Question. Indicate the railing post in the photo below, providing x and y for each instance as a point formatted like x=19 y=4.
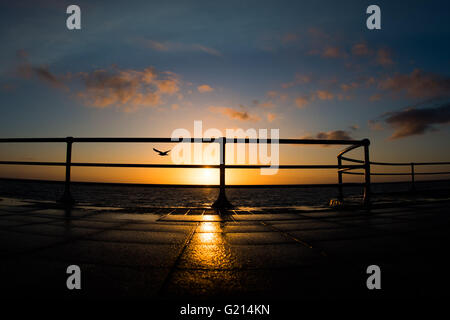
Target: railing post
x=413 y=184
x=341 y=192
x=366 y=173
x=67 y=196
x=222 y=201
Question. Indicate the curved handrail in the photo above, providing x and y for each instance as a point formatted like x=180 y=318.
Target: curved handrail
x=346 y=170
x=366 y=164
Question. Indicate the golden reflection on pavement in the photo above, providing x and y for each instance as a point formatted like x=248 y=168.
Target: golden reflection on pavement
x=208 y=249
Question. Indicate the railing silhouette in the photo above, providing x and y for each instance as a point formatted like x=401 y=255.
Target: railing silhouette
x=221 y=201
x=411 y=165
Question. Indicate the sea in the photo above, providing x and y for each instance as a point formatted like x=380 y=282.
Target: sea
x=130 y=196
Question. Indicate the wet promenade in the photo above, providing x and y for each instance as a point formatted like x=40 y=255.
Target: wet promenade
x=168 y=253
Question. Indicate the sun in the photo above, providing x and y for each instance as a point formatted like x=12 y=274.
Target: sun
x=207 y=176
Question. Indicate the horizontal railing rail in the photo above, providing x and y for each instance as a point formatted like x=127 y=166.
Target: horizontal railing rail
x=411 y=165
x=188 y=140
x=221 y=201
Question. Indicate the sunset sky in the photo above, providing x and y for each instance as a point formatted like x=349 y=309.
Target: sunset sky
x=145 y=68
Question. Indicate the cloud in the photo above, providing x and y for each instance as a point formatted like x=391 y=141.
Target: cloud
x=208 y=50
x=375 y=125
x=413 y=121
x=178 y=46
x=266 y=104
x=271 y=117
x=417 y=84
x=324 y=95
x=272 y=94
x=317 y=33
x=331 y=135
x=127 y=89
x=26 y=70
x=360 y=49
x=302 y=101
x=204 y=88
x=350 y=86
x=375 y=97
x=276 y=95
x=330 y=52
x=298 y=79
x=155 y=45
x=234 y=114
x=169 y=86
x=384 y=57
x=289 y=38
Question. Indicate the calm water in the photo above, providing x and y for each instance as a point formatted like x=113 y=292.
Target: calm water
x=143 y=196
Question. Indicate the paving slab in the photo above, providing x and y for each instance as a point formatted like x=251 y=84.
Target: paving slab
x=266 y=252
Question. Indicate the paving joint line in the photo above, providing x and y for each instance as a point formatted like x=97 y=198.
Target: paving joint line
x=172 y=270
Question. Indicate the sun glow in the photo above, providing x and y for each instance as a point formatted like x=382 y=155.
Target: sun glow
x=207 y=176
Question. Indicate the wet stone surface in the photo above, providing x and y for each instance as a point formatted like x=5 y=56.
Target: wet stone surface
x=169 y=253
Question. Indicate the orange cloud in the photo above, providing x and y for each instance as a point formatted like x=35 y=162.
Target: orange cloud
x=271 y=117
x=350 y=86
x=234 y=114
x=204 y=88
x=360 y=49
x=331 y=52
x=299 y=79
x=267 y=104
x=276 y=95
x=302 y=101
x=169 y=86
x=384 y=57
x=128 y=89
x=324 y=95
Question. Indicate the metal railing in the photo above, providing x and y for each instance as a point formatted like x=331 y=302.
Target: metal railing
x=221 y=201
x=412 y=173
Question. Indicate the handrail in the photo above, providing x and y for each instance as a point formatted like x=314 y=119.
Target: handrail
x=365 y=165
x=189 y=166
x=351 y=160
x=221 y=201
x=412 y=165
x=409 y=163
x=188 y=140
x=364 y=142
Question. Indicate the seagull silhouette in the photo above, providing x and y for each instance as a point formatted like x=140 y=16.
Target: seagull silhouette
x=161 y=153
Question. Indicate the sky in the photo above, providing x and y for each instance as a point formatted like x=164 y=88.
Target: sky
x=311 y=69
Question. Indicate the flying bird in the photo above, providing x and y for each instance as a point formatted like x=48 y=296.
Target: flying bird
x=161 y=153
